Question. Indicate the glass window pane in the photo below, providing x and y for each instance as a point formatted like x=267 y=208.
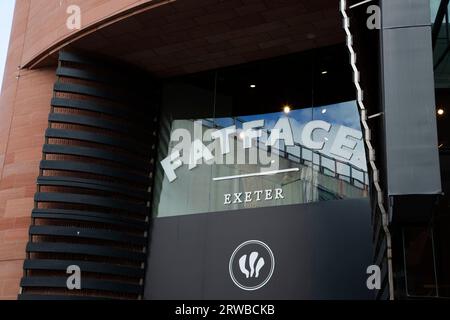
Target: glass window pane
x=250 y=136
x=419 y=261
x=184 y=100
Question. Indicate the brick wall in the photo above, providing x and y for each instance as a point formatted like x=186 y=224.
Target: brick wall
x=24 y=108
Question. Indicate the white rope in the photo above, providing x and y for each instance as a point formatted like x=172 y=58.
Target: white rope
x=367 y=139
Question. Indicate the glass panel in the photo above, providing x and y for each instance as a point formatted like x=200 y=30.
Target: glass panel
x=442 y=84
x=256 y=95
x=249 y=136
x=184 y=100
x=442 y=239
x=343 y=156
x=419 y=261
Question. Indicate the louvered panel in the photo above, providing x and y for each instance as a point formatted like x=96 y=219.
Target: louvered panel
x=92 y=205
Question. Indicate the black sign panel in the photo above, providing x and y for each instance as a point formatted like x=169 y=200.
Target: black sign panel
x=308 y=251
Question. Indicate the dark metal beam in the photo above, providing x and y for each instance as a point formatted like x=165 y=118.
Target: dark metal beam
x=439 y=19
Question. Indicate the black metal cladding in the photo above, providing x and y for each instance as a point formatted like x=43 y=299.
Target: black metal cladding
x=60 y=282
x=123 y=143
x=106 y=202
x=95 y=154
x=84 y=167
x=92 y=205
x=103 y=268
x=95 y=217
x=85 y=250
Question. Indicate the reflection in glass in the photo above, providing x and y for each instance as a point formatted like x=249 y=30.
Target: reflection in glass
x=226 y=145
x=419 y=261
x=325 y=160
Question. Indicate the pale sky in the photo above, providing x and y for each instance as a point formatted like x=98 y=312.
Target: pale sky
x=6 y=16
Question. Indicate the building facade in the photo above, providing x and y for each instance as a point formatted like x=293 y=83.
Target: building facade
x=222 y=149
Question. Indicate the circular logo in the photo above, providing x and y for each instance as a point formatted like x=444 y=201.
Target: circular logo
x=251 y=265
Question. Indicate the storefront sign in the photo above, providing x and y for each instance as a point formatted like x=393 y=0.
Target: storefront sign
x=193 y=152
x=249 y=196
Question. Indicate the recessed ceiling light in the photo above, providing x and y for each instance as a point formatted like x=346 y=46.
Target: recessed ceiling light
x=440 y=112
